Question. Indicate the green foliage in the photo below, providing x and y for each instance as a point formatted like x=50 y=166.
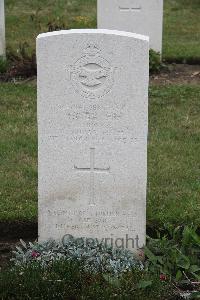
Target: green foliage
x=3 y=65
x=67 y=280
x=176 y=255
x=195 y=295
x=155 y=63
x=23 y=61
x=145 y=284
x=56 y=24
x=94 y=256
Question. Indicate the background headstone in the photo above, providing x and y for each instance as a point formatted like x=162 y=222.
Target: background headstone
x=92 y=130
x=2 y=29
x=139 y=16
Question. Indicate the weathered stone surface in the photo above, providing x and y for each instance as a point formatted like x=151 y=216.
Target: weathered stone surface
x=139 y=16
x=92 y=131
x=2 y=29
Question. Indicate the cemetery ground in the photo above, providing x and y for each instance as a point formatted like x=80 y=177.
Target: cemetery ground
x=181 y=24
x=173 y=207
x=173 y=189
x=173 y=156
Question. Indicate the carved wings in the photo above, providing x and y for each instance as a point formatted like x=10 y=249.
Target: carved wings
x=90 y=77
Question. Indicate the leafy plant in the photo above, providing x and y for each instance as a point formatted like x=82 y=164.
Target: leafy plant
x=94 y=257
x=3 y=65
x=176 y=255
x=81 y=271
x=23 y=62
x=57 y=24
x=155 y=62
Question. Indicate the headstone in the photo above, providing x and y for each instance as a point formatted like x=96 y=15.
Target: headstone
x=92 y=134
x=139 y=16
x=2 y=29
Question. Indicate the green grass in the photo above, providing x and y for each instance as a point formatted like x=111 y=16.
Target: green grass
x=173 y=159
x=181 y=40
x=66 y=280
x=18 y=152
x=25 y=19
x=34 y=17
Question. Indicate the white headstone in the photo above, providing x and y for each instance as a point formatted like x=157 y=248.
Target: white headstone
x=139 y=16
x=2 y=29
x=92 y=129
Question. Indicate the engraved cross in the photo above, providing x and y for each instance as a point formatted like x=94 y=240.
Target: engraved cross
x=92 y=170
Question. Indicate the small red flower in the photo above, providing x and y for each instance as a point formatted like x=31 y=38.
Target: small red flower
x=141 y=254
x=163 y=277
x=35 y=254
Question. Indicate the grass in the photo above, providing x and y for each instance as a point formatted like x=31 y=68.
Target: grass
x=33 y=17
x=182 y=31
x=18 y=152
x=25 y=19
x=173 y=159
x=66 y=280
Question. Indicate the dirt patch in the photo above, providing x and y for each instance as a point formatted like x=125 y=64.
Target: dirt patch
x=15 y=230
x=6 y=249
x=11 y=233
x=177 y=74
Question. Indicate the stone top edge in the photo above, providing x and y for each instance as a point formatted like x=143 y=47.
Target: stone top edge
x=87 y=31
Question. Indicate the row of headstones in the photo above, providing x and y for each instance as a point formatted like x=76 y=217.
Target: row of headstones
x=138 y=16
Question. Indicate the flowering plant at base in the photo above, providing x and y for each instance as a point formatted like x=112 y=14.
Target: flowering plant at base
x=94 y=257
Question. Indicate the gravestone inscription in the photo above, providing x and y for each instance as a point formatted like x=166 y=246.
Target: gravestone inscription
x=92 y=134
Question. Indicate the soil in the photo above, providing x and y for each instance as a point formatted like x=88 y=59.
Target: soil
x=177 y=74
x=11 y=232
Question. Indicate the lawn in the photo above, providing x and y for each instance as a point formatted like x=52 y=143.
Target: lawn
x=18 y=152
x=181 y=40
x=173 y=159
x=25 y=19
x=66 y=280
x=173 y=155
